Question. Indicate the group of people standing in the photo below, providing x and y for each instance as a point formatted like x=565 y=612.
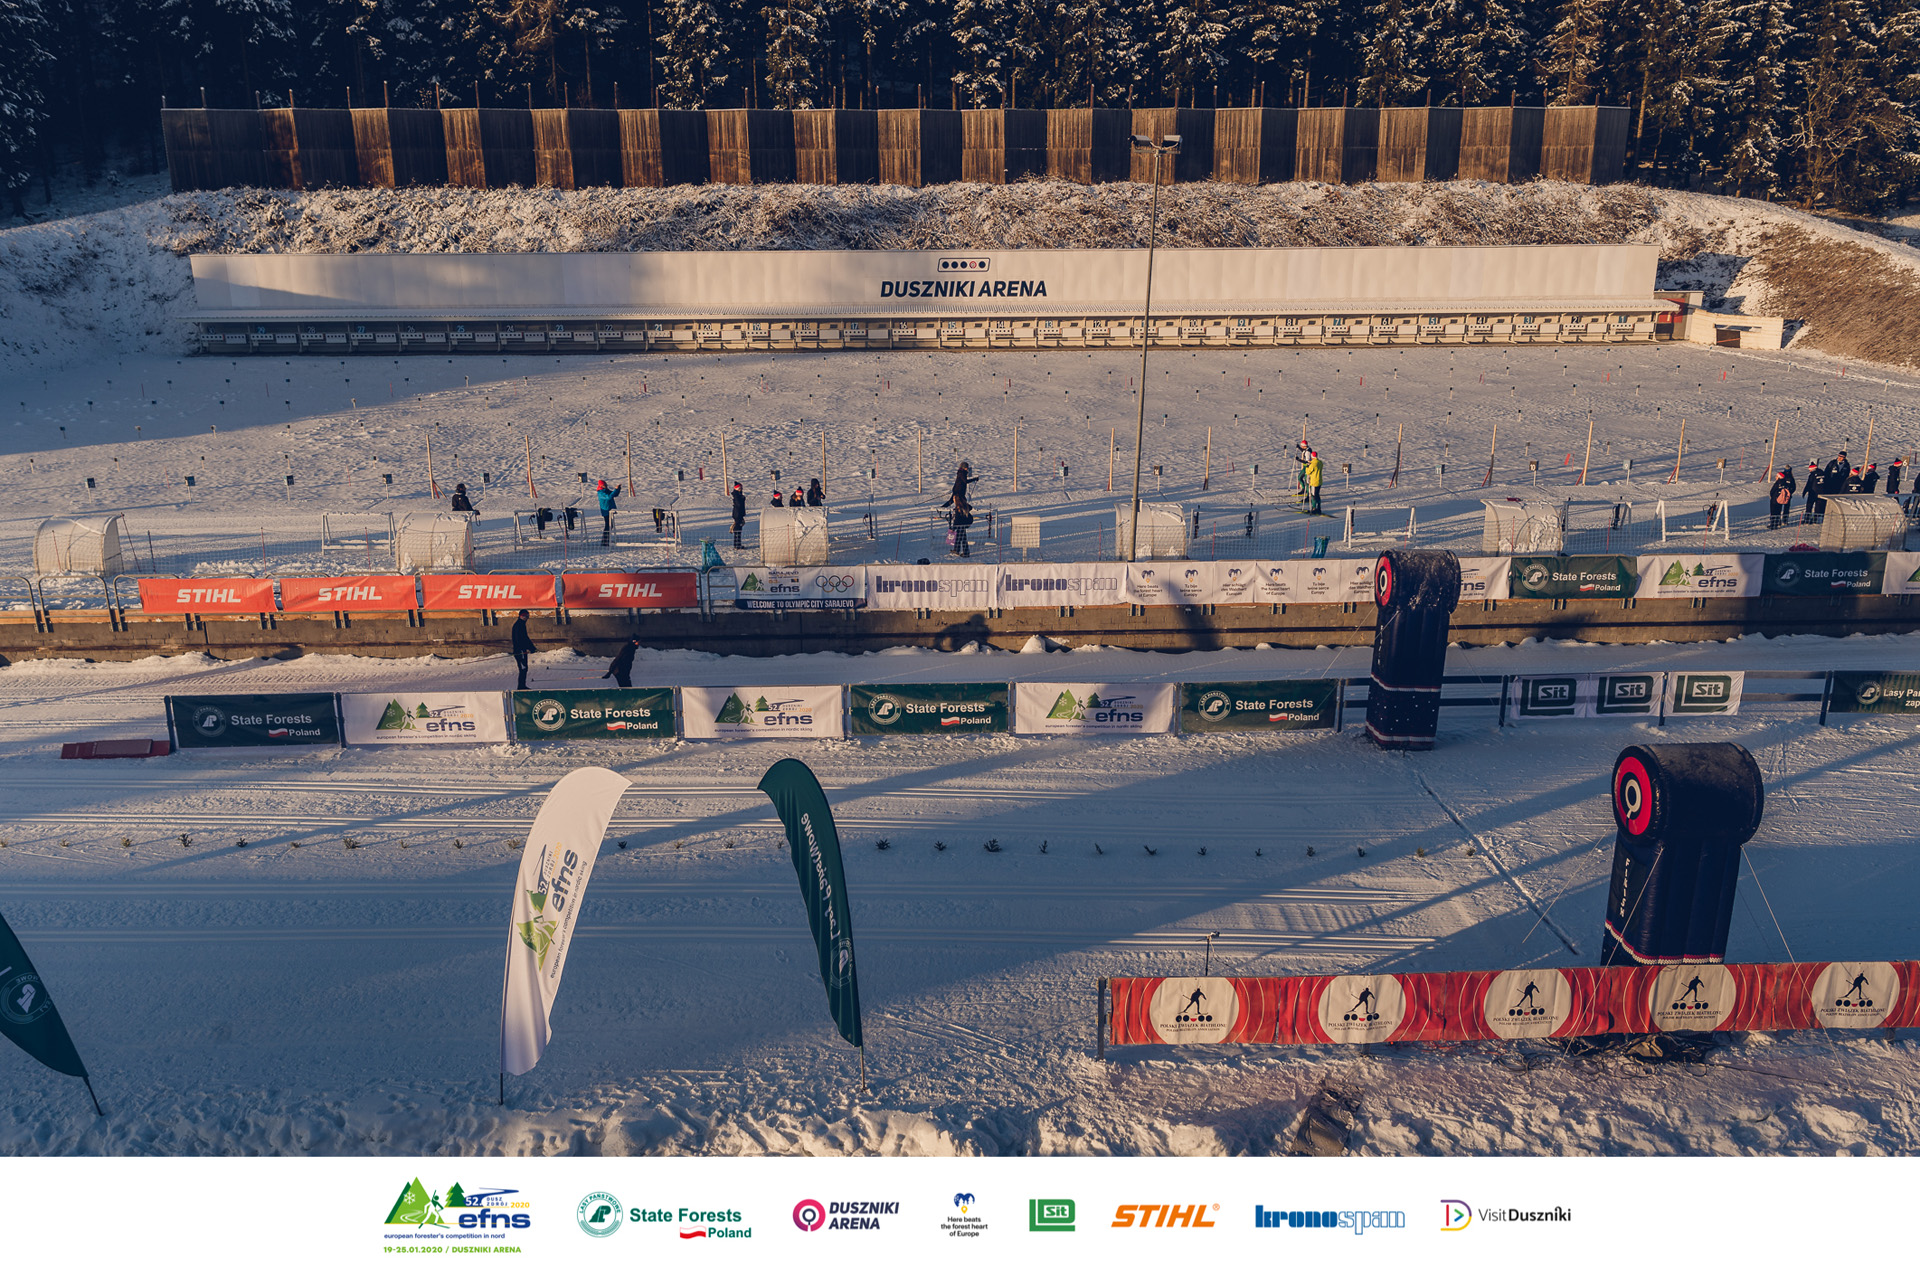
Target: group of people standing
x=1838 y=476
x=1311 y=473
x=813 y=495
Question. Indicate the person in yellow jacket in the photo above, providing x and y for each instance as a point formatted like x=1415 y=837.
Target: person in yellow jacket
x=1313 y=474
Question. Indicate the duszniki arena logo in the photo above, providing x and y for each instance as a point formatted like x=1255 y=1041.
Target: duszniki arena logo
x=599 y=1214
x=809 y=1214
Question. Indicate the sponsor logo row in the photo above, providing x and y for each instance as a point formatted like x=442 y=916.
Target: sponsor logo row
x=489 y=1219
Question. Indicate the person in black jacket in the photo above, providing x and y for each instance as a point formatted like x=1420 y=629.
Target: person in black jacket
x=621 y=671
x=961 y=478
x=739 y=512
x=1834 y=477
x=1870 y=481
x=1780 y=499
x=961 y=519
x=1811 y=491
x=460 y=499
x=779 y=498
x=522 y=647
x=816 y=496
x=1893 y=476
x=1853 y=482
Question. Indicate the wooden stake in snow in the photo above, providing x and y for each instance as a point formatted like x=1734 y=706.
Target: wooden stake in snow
x=1110 y=431
x=1771 y=447
x=531 y=491
x=1866 y=458
x=1679 y=452
x=1401 y=438
x=1589 y=458
x=433 y=485
x=823 y=458
x=918 y=485
x=629 y=465
x=1493 y=446
x=725 y=485
x=1206 y=473
x=1016 y=457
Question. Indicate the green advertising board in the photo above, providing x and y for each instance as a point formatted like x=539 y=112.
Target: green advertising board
x=1572 y=576
x=884 y=709
x=1848 y=572
x=1268 y=705
x=1875 y=692
x=279 y=719
x=615 y=714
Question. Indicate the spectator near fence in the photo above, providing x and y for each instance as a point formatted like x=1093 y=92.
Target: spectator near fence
x=1780 y=499
x=609 y=502
x=1893 y=476
x=621 y=671
x=460 y=499
x=1811 y=506
x=522 y=647
x=739 y=512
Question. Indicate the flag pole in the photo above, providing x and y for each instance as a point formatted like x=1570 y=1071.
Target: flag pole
x=863 y=1069
x=90 y=1096
x=503 y=1087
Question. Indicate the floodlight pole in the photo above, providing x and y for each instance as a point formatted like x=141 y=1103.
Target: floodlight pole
x=1166 y=146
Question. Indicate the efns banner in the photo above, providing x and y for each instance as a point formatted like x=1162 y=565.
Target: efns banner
x=423 y=718
x=732 y=713
x=1078 y=709
x=561 y=849
x=803 y=810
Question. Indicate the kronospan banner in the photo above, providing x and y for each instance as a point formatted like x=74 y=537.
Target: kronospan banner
x=501 y=593
x=1271 y=705
x=928 y=709
x=1852 y=572
x=617 y=714
x=423 y=718
x=830 y=586
x=1076 y=709
x=939 y=587
x=1875 y=692
x=281 y=719
x=759 y=713
x=1571 y=576
x=348 y=594
x=618 y=591
x=1095 y=585
x=206 y=594
x=1698 y=576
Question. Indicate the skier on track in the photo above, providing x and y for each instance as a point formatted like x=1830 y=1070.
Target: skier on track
x=1526 y=995
x=1693 y=988
x=621 y=671
x=522 y=647
x=1858 y=990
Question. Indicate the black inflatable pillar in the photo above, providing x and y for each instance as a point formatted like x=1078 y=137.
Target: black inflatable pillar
x=1416 y=592
x=1684 y=812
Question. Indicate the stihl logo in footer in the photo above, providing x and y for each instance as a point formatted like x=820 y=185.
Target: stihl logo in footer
x=1164 y=1216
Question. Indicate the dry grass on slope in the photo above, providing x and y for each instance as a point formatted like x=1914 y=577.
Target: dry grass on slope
x=1856 y=303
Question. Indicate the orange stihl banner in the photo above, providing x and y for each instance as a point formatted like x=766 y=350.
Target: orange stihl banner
x=347 y=594
x=1565 y=1002
x=630 y=590
x=206 y=594
x=505 y=593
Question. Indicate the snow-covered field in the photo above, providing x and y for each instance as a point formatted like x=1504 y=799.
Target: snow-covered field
x=262 y=986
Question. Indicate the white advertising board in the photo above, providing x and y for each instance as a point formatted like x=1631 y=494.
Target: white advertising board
x=422 y=718
x=759 y=713
x=1078 y=709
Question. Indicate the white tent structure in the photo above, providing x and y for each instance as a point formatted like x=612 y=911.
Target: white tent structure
x=1863 y=521
x=1523 y=528
x=82 y=546
x=433 y=542
x=1163 y=530
x=793 y=536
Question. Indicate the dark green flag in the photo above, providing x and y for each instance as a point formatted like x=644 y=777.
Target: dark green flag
x=27 y=1014
x=797 y=796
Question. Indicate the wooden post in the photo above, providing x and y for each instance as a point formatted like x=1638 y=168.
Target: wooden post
x=1867 y=457
x=531 y=490
x=1589 y=457
x=1771 y=447
x=629 y=465
x=823 y=459
x=433 y=485
x=726 y=488
x=1493 y=447
x=1110 y=431
x=1679 y=451
x=1016 y=457
x=1401 y=438
x=1206 y=474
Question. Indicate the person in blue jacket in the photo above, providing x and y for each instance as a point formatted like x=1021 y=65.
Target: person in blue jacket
x=608 y=504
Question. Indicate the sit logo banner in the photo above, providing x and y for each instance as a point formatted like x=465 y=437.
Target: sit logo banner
x=1050 y=1215
x=423 y=718
x=457 y=1219
x=1273 y=705
x=616 y=714
x=1584 y=696
x=936 y=709
x=1874 y=692
x=1716 y=692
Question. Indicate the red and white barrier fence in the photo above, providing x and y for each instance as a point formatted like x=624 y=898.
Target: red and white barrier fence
x=1569 y=1002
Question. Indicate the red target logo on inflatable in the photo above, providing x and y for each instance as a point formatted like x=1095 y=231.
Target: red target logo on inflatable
x=1383 y=582
x=1632 y=796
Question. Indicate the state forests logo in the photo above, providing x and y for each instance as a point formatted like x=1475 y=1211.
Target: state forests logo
x=599 y=1214
x=208 y=721
x=1535 y=576
x=1215 y=705
x=549 y=715
x=885 y=711
x=23 y=1000
x=1868 y=692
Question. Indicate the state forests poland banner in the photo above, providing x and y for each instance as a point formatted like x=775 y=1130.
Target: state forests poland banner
x=1073 y=709
x=348 y=594
x=207 y=595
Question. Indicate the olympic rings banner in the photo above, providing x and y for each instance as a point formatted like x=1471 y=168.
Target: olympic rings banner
x=829 y=586
x=1569 y=1002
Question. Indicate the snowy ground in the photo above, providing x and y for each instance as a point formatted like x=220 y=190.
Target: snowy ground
x=296 y=994
x=140 y=424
